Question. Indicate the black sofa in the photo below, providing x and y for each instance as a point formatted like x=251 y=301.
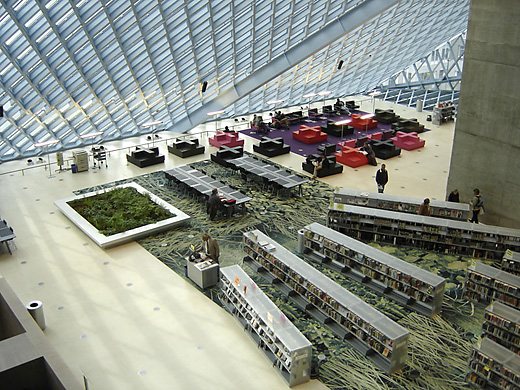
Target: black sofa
x=144 y=157
x=327 y=149
x=271 y=147
x=335 y=130
x=407 y=126
x=327 y=110
x=385 y=149
x=186 y=147
x=226 y=153
x=351 y=105
x=386 y=116
x=333 y=169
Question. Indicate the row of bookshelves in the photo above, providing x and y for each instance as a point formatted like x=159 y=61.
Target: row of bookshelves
x=493 y=366
x=447 y=236
x=375 y=331
x=415 y=237
x=439 y=208
x=486 y=283
x=502 y=325
x=364 y=263
x=265 y=333
x=511 y=262
x=282 y=343
x=328 y=305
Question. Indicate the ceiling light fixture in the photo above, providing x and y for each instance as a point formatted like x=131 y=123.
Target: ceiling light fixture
x=91 y=135
x=150 y=124
x=212 y=113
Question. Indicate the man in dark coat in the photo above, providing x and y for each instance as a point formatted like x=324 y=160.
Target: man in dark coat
x=381 y=178
x=214 y=204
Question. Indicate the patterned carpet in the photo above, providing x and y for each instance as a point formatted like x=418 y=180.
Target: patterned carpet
x=438 y=348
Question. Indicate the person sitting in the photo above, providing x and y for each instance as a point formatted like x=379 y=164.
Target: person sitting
x=214 y=204
x=321 y=163
x=259 y=124
x=280 y=116
x=209 y=248
x=279 y=120
x=340 y=108
x=369 y=152
x=424 y=208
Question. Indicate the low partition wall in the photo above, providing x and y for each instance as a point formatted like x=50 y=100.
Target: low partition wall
x=130 y=235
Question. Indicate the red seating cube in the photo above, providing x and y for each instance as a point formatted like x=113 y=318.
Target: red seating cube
x=351 y=143
x=407 y=141
x=377 y=136
x=228 y=139
x=351 y=157
x=360 y=123
x=309 y=134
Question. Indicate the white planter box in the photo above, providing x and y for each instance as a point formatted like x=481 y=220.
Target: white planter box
x=130 y=235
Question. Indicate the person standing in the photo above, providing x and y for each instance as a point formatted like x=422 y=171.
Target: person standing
x=476 y=204
x=424 y=208
x=381 y=178
x=209 y=247
x=454 y=196
x=371 y=156
x=214 y=204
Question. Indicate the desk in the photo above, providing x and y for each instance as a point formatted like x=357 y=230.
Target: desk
x=204 y=274
x=6 y=235
x=204 y=185
x=273 y=174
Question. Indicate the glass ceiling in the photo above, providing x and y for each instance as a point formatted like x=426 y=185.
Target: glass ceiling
x=72 y=69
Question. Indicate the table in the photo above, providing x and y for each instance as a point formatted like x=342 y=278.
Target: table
x=6 y=235
x=204 y=184
x=204 y=274
x=271 y=173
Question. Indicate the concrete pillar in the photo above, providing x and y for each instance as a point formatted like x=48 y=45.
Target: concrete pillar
x=486 y=147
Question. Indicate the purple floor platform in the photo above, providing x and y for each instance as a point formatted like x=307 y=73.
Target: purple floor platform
x=304 y=149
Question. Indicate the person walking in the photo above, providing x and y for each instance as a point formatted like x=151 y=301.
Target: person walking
x=381 y=178
x=476 y=203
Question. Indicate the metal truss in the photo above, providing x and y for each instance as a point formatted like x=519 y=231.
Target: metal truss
x=80 y=72
x=433 y=79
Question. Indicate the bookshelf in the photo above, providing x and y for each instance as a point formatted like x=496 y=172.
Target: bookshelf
x=502 y=325
x=288 y=350
x=439 y=208
x=491 y=366
x=437 y=234
x=407 y=284
x=443 y=114
x=486 y=283
x=380 y=339
x=511 y=262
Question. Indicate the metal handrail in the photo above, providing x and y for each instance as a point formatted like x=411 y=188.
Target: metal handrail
x=47 y=165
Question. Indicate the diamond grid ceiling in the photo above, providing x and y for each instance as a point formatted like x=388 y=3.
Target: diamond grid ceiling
x=70 y=69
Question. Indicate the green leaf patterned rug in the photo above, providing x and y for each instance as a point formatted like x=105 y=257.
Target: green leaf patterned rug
x=438 y=348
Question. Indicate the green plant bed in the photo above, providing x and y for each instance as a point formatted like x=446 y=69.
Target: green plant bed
x=119 y=210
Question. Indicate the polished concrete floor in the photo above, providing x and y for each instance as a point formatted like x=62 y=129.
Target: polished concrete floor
x=124 y=320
